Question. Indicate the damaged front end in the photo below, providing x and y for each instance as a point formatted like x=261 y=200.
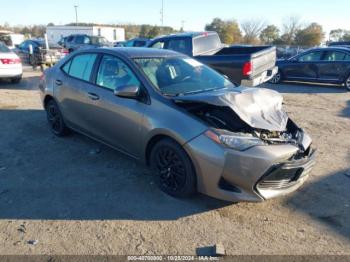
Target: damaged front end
x=269 y=149
x=251 y=114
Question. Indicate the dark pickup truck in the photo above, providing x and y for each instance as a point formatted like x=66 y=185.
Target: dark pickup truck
x=246 y=65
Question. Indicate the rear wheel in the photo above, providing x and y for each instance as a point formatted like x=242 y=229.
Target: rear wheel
x=55 y=119
x=174 y=169
x=277 y=78
x=347 y=83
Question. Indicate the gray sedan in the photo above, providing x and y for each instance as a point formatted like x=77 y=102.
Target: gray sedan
x=194 y=128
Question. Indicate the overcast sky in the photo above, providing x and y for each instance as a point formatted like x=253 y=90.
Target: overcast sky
x=196 y=13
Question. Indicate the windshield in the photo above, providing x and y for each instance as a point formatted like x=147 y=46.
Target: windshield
x=175 y=76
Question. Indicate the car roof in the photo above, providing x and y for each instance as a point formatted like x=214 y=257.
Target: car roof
x=188 y=34
x=133 y=52
x=330 y=48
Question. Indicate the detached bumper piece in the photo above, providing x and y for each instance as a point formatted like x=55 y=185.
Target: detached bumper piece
x=284 y=177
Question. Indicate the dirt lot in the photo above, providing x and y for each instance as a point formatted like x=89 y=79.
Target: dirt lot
x=75 y=196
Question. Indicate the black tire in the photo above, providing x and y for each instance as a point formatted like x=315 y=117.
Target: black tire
x=33 y=61
x=277 y=78
x=16 y=80
x=347 y=83
x=175 y=174
x=55 y=119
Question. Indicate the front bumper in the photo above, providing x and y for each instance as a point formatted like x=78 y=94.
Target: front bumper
x=254 y=175
x=286 y=177
x=260 y=79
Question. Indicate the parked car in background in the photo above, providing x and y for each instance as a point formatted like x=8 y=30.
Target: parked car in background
x=196 y=129
x=119 y=44
x=10 y=65
x=321 y=65
x=35 y=53
x=75 y=42
x=137 y=42
x=340 y=43
x=246 y=65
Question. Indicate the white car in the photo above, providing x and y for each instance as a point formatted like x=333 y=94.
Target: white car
x=10 y=65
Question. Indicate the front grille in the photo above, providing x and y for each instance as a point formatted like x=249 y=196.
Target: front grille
x=288 y=174
x=276 y=184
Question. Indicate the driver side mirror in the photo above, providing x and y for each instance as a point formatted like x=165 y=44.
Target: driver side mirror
x=127 y=91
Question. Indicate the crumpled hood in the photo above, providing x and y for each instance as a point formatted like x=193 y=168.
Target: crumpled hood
x=259 y=107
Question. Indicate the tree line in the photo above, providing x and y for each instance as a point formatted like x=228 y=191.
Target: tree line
x=254 y=31
x=293 y=32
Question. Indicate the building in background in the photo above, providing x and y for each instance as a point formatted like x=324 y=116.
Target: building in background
x=112 y=34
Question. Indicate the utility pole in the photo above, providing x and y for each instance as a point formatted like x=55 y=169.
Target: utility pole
x=183 y=25
x=76 y=14
x=162 y=14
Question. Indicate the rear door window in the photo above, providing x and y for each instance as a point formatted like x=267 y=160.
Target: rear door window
x=347 y=58
x=70 y=39
x=79 y=39
x=334 y=56
x=180 y=45
x=80 y=66
x=311 y=57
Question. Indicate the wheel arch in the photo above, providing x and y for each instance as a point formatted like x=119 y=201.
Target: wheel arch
x=153 y=141
x=47 y=99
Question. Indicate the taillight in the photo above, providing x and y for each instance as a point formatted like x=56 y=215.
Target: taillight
x=10 y=61
x=247 y=69
x=42 y=76
x=65 y=51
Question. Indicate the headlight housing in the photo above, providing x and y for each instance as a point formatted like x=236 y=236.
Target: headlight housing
x=236 y=141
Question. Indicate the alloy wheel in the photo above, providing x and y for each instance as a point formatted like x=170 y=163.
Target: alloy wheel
x=54 y=117
x=347 y=83
x=276 y=79
x=171 y=169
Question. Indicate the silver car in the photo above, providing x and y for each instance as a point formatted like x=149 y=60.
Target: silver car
x=194 y=128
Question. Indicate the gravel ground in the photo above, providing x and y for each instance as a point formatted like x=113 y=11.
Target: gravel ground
x=75 y=196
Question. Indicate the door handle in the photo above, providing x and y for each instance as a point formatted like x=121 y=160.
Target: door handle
x=58 y=82
x=93 y=96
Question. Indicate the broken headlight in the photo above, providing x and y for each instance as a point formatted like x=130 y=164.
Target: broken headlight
x=237 y=141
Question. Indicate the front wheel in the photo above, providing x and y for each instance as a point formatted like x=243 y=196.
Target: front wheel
x=174 y=169
x=277 y=78
x=347 y=83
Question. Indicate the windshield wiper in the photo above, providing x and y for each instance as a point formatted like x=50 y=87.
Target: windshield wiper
x=204 y=90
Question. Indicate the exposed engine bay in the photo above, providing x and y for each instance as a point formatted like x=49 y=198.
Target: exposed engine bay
x=254 y=111
x=225 y=118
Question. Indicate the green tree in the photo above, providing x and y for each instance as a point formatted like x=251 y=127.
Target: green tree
x=270 y=34
x=154 y=32
x=346 y=37
x=228 y=30
x=310 y=36
x=144 y=30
